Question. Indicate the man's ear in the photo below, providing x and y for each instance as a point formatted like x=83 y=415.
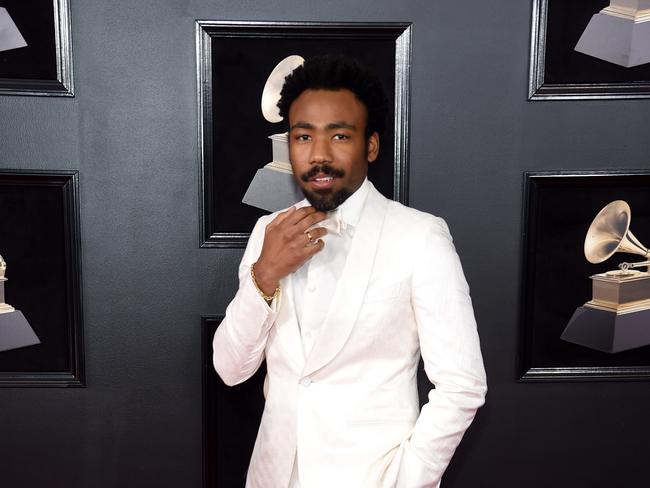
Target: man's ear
x=372 y=147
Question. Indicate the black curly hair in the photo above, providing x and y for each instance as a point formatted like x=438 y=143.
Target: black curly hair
x=336 y=72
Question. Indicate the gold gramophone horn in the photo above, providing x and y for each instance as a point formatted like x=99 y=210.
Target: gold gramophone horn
x=610 y=233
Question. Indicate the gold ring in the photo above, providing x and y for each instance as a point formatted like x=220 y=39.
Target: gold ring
x=309 y=236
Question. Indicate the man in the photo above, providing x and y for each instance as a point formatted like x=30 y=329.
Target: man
x=340 y=297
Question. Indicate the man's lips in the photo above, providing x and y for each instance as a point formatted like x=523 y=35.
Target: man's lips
x=321 y=171
x=321 y=181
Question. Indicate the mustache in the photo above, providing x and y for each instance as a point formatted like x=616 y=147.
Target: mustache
x=324 y=169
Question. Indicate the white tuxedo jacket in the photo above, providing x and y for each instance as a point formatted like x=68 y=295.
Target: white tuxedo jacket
x=350 y=409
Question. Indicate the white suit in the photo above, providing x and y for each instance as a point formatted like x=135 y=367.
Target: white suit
x=349 y=410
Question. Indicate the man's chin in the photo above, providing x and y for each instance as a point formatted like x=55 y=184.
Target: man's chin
x=326 y=200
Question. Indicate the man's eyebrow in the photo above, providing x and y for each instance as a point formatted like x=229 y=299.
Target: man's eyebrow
x=301 y=125
x=330 y=126
x=341 y=125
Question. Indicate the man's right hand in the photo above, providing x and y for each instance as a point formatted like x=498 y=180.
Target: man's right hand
x=287 y=246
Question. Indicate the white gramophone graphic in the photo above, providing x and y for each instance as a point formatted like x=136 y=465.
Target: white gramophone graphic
x=619 y=33
x=273 y=187
x=617 y=318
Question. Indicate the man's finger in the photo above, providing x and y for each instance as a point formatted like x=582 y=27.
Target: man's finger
x=282 y=216
x=309 y=220
x=313 y=234
x=312 y=249
x=299 y=214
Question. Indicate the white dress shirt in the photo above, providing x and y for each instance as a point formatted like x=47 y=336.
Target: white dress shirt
x=314 y=283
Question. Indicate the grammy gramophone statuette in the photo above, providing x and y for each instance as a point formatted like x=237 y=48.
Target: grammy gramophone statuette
x=15 y=331
x=273 y=187
x=617 y=318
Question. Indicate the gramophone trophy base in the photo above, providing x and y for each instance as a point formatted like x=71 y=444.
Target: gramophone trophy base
x=620 y=291
x=608 y=331
x=273 y=187
x=618 y=316
x=622 y=39
x=272 y=190
x=15 y=331
x=10 y=36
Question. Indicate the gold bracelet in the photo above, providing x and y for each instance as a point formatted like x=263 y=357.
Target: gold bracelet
x=266 y=298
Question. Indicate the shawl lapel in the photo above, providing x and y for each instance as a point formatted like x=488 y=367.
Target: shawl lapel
x=351 y=288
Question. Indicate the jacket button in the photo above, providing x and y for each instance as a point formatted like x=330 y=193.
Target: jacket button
x=305 y=381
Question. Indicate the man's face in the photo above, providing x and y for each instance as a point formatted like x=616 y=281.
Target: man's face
x=327 y=146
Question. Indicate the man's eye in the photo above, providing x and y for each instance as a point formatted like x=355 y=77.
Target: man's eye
x=302 y=137
x=341 y=137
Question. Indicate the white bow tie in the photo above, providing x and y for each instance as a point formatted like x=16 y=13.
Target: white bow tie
x=333 y=223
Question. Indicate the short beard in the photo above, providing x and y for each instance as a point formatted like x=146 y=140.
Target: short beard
x=325 y=200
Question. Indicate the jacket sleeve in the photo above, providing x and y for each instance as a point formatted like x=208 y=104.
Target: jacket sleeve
x=240 y=339
x=451 y=352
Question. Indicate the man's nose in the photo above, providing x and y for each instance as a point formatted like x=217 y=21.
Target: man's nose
x=320 y=151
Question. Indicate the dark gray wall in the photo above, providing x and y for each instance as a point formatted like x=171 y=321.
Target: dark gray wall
x=131 y=131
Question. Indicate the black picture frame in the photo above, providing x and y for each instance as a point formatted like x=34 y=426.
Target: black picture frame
x=40 y=241
x=233 y=61
x=231 y=417
x=559 y=208
x=558 y=72
x=44 y=66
